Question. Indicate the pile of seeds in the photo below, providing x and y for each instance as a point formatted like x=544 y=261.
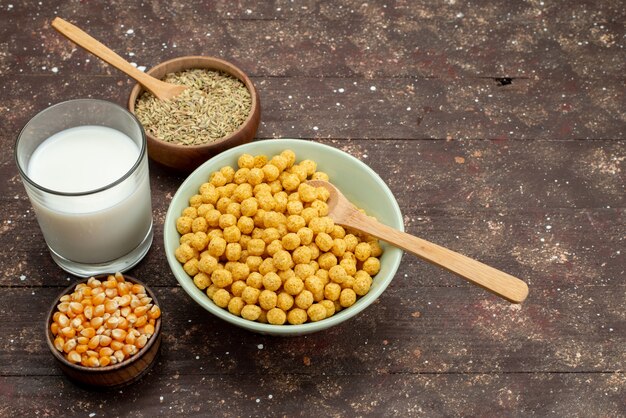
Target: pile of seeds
x=104 y=322
x=214 y=106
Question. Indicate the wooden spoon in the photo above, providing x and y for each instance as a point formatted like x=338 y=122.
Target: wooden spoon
x=489 y=278
x=160 y=89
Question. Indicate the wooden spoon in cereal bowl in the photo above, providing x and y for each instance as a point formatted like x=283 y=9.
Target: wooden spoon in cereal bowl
x=161 y=89
x=344 y=213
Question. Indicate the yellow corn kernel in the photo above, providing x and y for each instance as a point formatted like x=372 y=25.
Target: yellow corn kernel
x=141 y=321
x=73 y=357
x=154 y=312
x=59 y=342
x=81 y=348
x=148 y=329
x=99 y=310
x=96 y=322
x=137 y=288
x=93 y=362
x=76 y=307
x=63 y=307
x=105 y=340
x=105 y=352
x=111 y=293
x=88 y=332
x=69 y=345
x=88 y=312
x=130 y=338
x=105 y=361
x=141 y=341
x=119 y=355
x=124 y=300
x=129 y=350
x=94 y=342
x=123 y=324
x=118 y=334
x=54 y=328
x=112 y=322
x=125 y=311
x=68 y=332
x=98 y=299
x=82 y=340
x=141 y=310
x=110 y=306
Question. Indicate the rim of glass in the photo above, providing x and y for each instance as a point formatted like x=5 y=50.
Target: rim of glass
x=142 y=151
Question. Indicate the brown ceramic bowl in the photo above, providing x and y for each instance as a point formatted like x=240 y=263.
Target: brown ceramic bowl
x=113 y=376
x=187 y=157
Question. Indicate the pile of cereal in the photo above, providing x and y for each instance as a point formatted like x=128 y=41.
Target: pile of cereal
x=260 y=242
x=103 y=323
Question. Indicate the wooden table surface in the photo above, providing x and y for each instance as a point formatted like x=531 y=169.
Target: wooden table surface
x=500 y=127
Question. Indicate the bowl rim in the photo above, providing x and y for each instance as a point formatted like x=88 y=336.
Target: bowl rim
x=234 y=70
x=111 y=368
x=186 y=282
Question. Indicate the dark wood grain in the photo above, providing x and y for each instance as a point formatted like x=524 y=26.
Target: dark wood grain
x=499 y=126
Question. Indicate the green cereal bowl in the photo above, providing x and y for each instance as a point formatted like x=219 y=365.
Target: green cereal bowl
x=355 y=179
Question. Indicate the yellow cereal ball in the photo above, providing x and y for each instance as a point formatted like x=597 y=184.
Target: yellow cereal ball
x=183 y=224
x=314 y=284
x=271 y=281
x=232 y=234
x=286 y=274
x=293 y=286
x=250 y=295
x=371 y=266
x=199 y=225
x=263 y=317
x=316 y=312
x=191 y=267
x=329 y=305
x=213 y=217
x=222 y=204
x=242 y=192
x=210 y=196
x=210 y=291
x=281 y=200
x=327 y=260
x=217 y=179
x=233 y=251
x=309 y=165
x=351 y=242
x=237 y=287
x=245 y=225
x=256 y=246
x=301 y=255
x=291 y=241
x=290 y=182
x=235 y=306
x=190 y=212
x=227 y=220
x=215 y=233
x=199 y=241
x=306 y=235
x=315 y=251
x=349 y=256
x=309 y=214
x=282 y=259
x=217 y=246
x=186 y=238
x=304 y=299
x=260 y=160
x=307 y=192
x=338 y=232
x=339 y=247
x=273 y=247
x=221 y=278
x=276 y=316
x=300 y=172
x=270 y=172
x=332 y=291
x=289 y=156
x=276 y=187
x=348 y=283
x=196 y=200
x=295 y=222
x=362 y=251
x=234 y=209
x=318 y=225
x=303 y=270
x=241 y=175
x=349 y=266
x=297 y=316
x=228 y=172
x=294 y=207
x=323 y=241
x=262 y=188
x=184 y=253
x=320 y=175
x=245 y=161
x=251 y=312
x=347 y=298
x=270 y=234
x=255 y=279
x=362 y=283
x=253 y=262
x=205 y=187
x=202 y=281
x=204 y=208
x=280 y=162
x=375 y=248
x=321 y=207
x=267 y=265
x=323 y=275
x=267 y=299
x=284 y=301
x=322 y=193
x=221 y=297
x=258 y=223
x=266 y=201
x=255 y=176
x=249 y=206
x=271 y=219
x=207 y=264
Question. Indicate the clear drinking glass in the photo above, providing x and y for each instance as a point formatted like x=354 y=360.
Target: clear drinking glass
x=105 y=230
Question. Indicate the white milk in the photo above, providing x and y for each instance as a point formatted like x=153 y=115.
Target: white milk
x=99 y=226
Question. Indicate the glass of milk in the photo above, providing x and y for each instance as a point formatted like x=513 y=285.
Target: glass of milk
x=84 y=165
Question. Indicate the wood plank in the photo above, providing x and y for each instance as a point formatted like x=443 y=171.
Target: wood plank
x=408 y=330
x=296 y=394
x=399 y=108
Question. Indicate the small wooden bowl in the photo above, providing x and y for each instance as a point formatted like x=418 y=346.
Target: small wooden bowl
x=187 y=157
x=117 y=375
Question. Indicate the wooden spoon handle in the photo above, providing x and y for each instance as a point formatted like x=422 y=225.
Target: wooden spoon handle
x=82 y=39
x=502 y=284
